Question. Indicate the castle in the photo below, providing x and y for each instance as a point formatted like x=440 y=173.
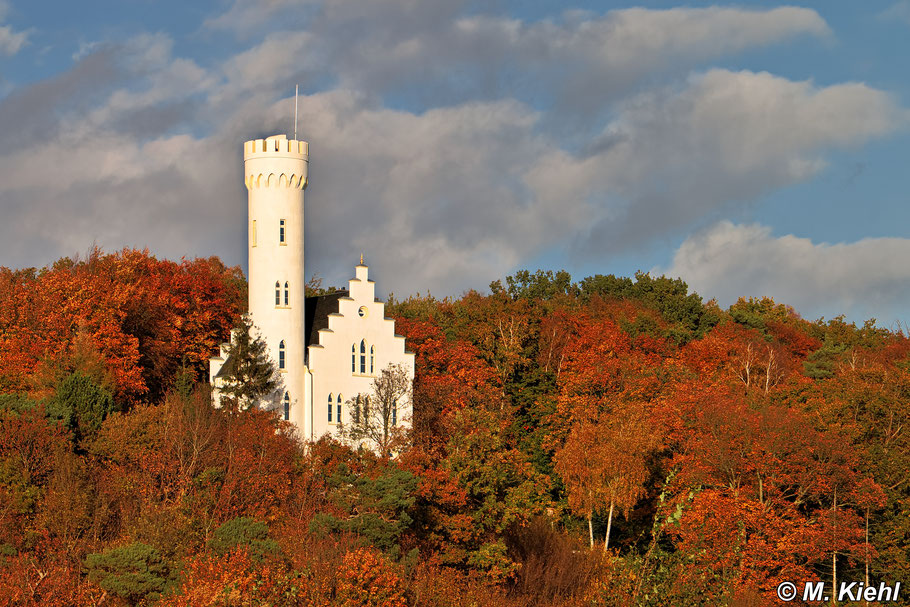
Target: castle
x=328 y=349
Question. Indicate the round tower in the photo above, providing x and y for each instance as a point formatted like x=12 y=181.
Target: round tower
x=275 y=172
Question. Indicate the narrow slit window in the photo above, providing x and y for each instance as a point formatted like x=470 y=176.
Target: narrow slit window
x=330 y=408
x=281 y=356
x=363 y=357
x=394 y=412
x=277 y=293
x=287 y=406
x=372 y=357
x=338 y=409
x=287 y=297
x=357 y=409
x=282 y=231
x=353 y=358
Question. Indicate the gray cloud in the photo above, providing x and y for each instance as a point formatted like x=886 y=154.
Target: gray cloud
x=139 y=147
x=438 y=53
x=861 y=279
x=11 y=41
x=681 y=154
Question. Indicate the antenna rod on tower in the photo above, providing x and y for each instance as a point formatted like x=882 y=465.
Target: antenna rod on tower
x=296 y=88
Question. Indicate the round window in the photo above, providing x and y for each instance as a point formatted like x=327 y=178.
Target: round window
x=362 y=311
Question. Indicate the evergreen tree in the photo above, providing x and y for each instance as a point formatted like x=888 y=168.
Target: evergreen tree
x=250 y=375
x=134 y=572
x=81 y=404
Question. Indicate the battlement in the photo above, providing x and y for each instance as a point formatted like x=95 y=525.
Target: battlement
x=276 y=162
x=276 y=146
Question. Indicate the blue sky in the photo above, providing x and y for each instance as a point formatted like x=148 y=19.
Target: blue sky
x=752 y=149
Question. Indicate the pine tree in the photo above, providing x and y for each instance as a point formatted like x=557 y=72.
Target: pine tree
x=250 y=375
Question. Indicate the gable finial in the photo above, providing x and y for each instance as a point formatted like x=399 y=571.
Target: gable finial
x=361 y=259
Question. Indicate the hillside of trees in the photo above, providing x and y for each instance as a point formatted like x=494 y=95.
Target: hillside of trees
x=606 y=441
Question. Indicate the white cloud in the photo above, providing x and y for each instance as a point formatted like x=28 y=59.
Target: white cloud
x=898 y=11
x=139 y=147
x=860 y=279
x=11 y=41
x=581 y=60
x=675 y=155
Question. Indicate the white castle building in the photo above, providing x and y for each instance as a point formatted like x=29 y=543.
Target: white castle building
x=328 y=349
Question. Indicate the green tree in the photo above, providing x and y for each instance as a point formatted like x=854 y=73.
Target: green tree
x=134 y=572
x=244 y=531
x=249 y=374
x=81 y=403
x=375 y=508
x=16 y=403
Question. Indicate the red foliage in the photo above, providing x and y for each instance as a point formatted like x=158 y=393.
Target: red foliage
x=367 y=579
x=144 y=317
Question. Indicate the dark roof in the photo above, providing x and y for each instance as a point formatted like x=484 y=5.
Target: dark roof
x=317 y=310
x=227 y=367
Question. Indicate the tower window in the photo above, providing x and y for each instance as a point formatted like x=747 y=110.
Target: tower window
x=253 y=233
x=353 y=358
x=281 y=231
x=363 y=356
x=277 y=293
x=281 y=363
x=372 y=357
x=287 y=297
x=394 y=412
x=338 y=409
x=287 y=406
x=330 y=408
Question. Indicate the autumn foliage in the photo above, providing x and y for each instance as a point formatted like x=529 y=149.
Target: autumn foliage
x=612 y=441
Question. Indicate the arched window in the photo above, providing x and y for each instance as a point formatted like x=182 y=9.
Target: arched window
x=330 y=408
x=372 y=357
x=277 y=293
x=281 y=350
x=363 y=356
x=394 y=412
x=287 y=297
x=366 y=410
x=287 y=406
x=282 y=236
x=357 y=409
x=353 y=358
x=338 y=409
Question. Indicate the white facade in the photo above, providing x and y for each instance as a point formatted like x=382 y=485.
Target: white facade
x=347 y=355
x=311 y=348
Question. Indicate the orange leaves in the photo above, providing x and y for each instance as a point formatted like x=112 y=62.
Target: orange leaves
x=368 y=580
x=234 y=579
x=142 y=315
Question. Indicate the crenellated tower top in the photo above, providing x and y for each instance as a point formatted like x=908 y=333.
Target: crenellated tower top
x=276 y=162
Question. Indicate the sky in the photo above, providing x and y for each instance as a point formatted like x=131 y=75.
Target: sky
x=751 y=149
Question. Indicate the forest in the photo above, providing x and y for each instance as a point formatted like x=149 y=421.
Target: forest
x=602 y=441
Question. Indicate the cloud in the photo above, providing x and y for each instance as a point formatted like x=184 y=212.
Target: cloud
x=441 y=54
x=860 y=279
x=899 y=11
x=135 y=146
x=11 y=41
x=682 y=153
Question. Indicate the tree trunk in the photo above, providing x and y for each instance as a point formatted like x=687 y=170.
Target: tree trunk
x=609 y=525
x=867 y=545
x=834 y=555
x=590 y=530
